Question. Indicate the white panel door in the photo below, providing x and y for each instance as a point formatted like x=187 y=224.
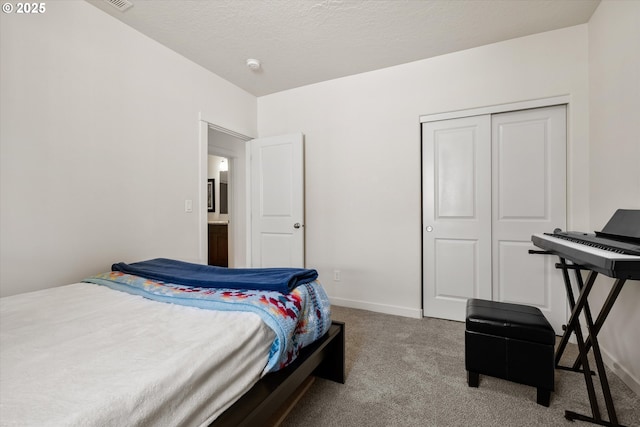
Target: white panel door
x=277 y=201
x=456 y=158
x=529 y=196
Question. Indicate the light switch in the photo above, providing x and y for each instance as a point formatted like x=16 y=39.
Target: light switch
x=188 y=205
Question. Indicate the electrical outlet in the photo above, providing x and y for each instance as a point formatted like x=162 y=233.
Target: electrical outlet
x=336 y=275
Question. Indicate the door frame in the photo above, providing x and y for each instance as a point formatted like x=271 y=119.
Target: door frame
x=235 y=227
x=490 y=109
x=498 y=108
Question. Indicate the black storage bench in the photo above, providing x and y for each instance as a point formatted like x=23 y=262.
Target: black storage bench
x=510 y=341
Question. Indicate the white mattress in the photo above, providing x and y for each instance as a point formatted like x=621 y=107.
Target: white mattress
x=85 y=355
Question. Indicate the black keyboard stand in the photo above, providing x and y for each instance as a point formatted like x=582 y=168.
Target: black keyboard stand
x=581 y=307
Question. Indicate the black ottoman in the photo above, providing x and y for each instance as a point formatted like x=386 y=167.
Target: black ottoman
x=510 y=341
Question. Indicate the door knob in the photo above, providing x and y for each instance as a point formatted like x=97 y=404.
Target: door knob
x=296 y=225
x=429 y=229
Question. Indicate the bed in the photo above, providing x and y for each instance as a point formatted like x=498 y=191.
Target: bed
x=122 y=349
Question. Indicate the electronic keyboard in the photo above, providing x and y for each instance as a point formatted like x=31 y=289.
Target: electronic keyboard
x=608 y=262
x=614 y=251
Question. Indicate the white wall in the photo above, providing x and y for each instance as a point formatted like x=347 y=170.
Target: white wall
x=100 y=146
x=362 y=141
x=614 y=166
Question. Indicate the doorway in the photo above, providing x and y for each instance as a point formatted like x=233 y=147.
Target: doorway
x=224 y=221
x=237 y=148
x=217 y=210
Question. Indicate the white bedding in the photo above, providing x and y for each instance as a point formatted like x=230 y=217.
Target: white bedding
x=85 y=355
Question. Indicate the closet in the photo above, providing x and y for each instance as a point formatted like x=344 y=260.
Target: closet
x=490 y=181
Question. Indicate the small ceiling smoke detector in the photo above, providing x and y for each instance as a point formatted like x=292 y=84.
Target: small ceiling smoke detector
x=121 y=5
x=254 y=64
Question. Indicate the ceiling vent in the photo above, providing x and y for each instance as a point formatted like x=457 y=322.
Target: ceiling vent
x=121 y=5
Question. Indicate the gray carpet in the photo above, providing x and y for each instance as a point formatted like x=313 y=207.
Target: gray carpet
x=410 y=372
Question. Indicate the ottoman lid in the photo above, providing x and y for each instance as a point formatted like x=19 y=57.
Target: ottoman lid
x=508 y=320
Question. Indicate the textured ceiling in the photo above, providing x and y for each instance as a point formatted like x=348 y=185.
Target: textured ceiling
x=301 y=42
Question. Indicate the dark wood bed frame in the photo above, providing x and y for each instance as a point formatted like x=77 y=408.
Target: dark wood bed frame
x=324 y=358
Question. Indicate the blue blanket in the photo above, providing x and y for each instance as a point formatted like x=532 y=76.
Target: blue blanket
x=282 y=280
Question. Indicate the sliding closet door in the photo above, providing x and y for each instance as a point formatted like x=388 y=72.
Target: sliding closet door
x=489 y=183
x=529 y=196
x=456 y=161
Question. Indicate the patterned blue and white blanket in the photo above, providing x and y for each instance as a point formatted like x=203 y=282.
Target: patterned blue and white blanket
x=297 y=318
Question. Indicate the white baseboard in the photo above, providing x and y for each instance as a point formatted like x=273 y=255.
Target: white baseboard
x=378 y=308
x=626 y=377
